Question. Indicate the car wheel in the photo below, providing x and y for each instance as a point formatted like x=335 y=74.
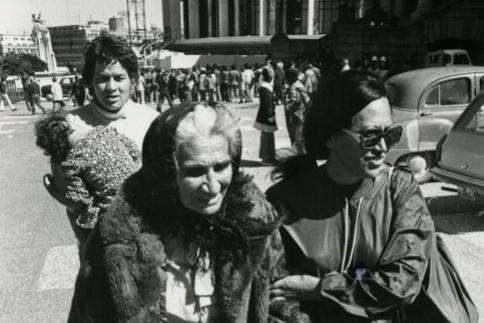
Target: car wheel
x=420 y=164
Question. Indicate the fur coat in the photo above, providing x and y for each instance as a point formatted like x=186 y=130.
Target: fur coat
x=122 y=274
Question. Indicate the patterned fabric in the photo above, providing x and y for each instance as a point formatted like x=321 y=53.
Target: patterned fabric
x=95 y=168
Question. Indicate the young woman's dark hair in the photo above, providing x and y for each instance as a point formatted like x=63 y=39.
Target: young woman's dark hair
x=338 y=99
x=105 y=49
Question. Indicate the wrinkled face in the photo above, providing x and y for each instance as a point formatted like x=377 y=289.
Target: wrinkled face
x=345 y=148
x=111 y=86
x=204 y=173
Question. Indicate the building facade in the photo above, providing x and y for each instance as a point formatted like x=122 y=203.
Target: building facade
x=17 y=43
x=400 y=30
x=68 y=42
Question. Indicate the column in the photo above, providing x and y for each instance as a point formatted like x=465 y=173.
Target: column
x=237 y=17
x=262 y=17
x=400 y=8
x=271 y=17
x=194 y=16
x=423 y=7
x=172 y=19
x=209 y=18
x=310 y=17
x=223 y=14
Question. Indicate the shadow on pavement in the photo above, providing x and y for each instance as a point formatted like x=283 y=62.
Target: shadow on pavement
x=455 y=214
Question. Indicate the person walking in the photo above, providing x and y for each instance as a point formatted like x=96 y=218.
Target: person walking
x=4 y=95
x=78 y=91
x=189 y=238
x=25 y=86
x=57 y=95
x=279 y=82
x=163 y=81
x=265 y=121
x=110 y=65
x=34 y=93
x=360 y=242
x=297 y=101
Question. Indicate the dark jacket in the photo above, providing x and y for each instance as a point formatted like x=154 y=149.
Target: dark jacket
x=34 y=88
x=266 y=115
x=122 y=274
x=374 y=247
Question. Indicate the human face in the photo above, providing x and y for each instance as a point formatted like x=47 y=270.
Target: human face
x=350 y=162
x=111 y=86
x=204 y=173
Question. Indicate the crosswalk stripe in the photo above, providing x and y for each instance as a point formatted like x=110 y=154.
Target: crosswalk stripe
x=60 y=268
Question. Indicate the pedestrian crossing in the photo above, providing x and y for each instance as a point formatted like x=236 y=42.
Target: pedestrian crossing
x=60 y=268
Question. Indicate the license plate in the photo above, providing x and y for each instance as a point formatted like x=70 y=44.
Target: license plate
x=466 y=191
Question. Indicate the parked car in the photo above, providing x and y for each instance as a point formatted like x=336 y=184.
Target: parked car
x=427 y=102
x=445 y=57
x=460 y=153
x=65 y=83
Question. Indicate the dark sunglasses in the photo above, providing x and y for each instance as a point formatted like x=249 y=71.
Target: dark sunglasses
x=372 y=137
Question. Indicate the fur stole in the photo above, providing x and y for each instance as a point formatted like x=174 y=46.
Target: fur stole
x=127 y=277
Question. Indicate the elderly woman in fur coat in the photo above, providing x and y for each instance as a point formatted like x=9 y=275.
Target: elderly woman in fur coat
x=189 y=238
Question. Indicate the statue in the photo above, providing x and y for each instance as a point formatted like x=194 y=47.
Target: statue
x=41 y=37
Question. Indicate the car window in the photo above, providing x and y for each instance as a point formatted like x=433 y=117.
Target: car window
x=473 y=117
x=433 y=97
x=481 y=84
x=461 y=59
x=452 y=92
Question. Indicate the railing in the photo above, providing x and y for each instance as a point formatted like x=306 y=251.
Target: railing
x=14 y=94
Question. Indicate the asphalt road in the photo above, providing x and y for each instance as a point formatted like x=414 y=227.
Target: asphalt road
x=38 y=253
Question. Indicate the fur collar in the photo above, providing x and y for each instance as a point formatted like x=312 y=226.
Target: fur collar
x=141 y=206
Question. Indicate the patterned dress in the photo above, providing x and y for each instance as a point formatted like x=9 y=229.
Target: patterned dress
x=95 y=168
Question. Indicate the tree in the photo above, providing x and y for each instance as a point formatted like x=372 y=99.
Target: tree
x=15 y=64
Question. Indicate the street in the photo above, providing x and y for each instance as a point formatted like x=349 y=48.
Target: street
x=38 y=251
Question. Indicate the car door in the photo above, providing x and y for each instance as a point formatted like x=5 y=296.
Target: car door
x=440 y=106
x=463 y=149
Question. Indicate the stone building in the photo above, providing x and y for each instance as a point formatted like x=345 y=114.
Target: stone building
x=69 y=41
x=402 y=31
x=17 y=43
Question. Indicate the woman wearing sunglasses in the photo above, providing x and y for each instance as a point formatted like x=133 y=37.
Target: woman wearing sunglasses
x=360 y=242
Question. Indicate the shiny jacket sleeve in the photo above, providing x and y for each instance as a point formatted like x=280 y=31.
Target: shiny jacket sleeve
x=398 y=276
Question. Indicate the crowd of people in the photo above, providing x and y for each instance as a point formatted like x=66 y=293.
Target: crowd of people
x=180 y=234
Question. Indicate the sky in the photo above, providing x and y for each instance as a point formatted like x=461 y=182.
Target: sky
x=16 y=15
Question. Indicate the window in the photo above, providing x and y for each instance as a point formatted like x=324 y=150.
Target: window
x=473 y=118
x=452 y=92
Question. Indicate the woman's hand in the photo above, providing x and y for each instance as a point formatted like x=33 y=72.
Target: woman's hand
x=297 y=287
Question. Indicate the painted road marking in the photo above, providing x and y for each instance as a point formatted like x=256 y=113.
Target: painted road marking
x=60 y=268
x=11 y=123
x=6 y=132
x=251 y=128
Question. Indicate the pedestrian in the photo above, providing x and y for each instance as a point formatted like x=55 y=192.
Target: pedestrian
x=279 y=82
x=34 y=94
x=224 y=84
x=202 y=84
x=297 y=103
x=4 y=95
x=249 y=79
x=57 y=95
x=140 y=88
x=78 y=91
x=172 y=86
x=93 y=173
x=265 y=121
x=162 y=82
x=234 y=77
x=360 y=242
x=110 y=65
x=25 y=86
x=189 y=238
